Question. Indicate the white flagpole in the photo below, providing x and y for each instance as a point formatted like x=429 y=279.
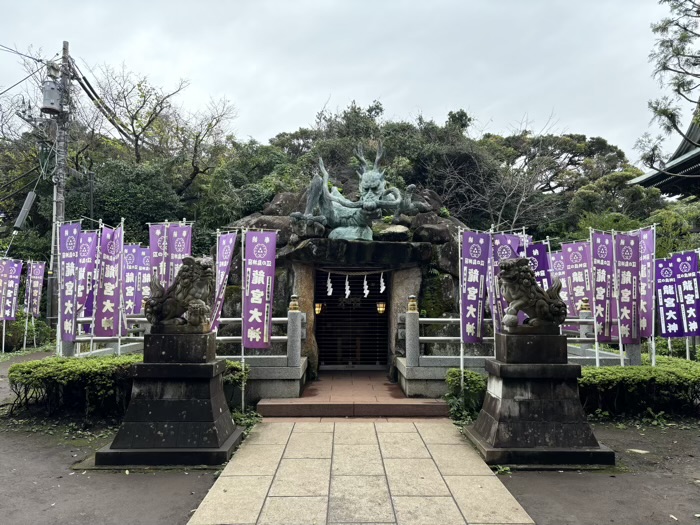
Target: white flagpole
x=216 y=288
x=3 y=336
x=34 y=330
x=243 y=294
x=496 y=298
x=595 y=314
x=96 y=282
x=653 y=299
x=59 y=321
x=122 y=318
x=460 y=232
x=616 y=294
x=27 y=285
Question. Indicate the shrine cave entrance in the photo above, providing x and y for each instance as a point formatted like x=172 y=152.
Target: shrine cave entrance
x=352 y=331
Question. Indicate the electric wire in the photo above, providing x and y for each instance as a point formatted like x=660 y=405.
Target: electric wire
x=25 y=78
x=10 y=50
x=10 y=182
x=20 y=190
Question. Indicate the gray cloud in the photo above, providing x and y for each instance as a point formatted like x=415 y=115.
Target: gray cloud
x=582 y=64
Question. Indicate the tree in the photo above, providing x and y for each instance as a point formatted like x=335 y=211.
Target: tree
x=676 y=60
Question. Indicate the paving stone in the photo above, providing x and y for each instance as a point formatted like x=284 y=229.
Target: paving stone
x=302 y=477
x=459 y=460
x=402 y=445
x=360 y=499
x=233 y=499
x=395 y=427
x=441 y=433
x=355 y=434
x=484 y=499
x=309 y=445
x=251 y=459
x=357 y=460
x=412 y=510
x=414 y=477
x=313 y=427
x=294 y=511
x=270 y=433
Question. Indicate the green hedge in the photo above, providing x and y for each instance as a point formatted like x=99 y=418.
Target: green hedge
x=95 y=386
x=672 y=387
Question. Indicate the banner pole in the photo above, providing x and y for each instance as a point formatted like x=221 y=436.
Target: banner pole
x=59 y=321
x=96 y=282
x=243 y=291
x=461 y=317
x=27 y=285
x=492 y=291
x=616 y=293
x=595 y=313
x=3 y=336
x=122 y=317
x=653 y=299
x=34 y=330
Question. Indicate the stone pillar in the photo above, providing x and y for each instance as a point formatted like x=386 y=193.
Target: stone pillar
x=412 y=333
x=294 y=333
x=634 y=354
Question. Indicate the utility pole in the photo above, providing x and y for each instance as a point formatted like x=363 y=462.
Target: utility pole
x=59 y=179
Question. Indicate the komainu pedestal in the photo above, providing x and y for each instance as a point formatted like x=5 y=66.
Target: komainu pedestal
x=178 y=413
x=532 y=412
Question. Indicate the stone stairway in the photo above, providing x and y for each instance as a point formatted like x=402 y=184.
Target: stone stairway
x=352 y=394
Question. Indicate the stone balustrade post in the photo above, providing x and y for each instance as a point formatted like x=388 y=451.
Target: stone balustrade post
x=412 y=333
x=294 y=333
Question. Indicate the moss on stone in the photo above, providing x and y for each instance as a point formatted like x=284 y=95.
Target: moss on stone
x=433 y=298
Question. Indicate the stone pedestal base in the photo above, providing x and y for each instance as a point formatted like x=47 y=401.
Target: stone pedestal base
x=178 y=413
x=532 y=413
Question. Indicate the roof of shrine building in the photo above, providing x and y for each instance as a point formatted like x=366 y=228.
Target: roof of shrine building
x=681 y=173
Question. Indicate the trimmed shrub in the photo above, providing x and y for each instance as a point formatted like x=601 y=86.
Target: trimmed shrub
x=671 y=387
x=465 y=404
x=95 y=386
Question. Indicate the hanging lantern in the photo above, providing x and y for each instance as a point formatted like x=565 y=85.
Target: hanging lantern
x=318 y=308
x=381 y=308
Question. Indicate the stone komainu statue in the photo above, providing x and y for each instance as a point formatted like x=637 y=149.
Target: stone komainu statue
x=188 y=301
x=520 y=289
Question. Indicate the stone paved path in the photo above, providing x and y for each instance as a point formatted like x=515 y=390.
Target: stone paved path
x=402 y=473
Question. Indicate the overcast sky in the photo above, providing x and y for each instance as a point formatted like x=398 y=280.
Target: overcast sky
x=582 y=67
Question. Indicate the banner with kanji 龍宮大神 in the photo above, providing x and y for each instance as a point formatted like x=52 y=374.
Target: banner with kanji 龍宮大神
x=476 y=248
x=68 y=244
x=602 y=272
x=627 y=273
x=108 y=297
x=686 y=266
x=10 y=272
x=35 y=285
x=666 y=298
x=258 y=288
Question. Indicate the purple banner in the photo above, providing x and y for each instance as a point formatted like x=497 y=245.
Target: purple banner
x=602 y=248
x=35 y=284
x=144 y=279
x=669 y=308
x=647 y=252
x=557 y=269
x=159 y=243
x=69 y=235
x=87 y=263
x=687 y=290
x=130 y=272
x=224 y=253
x=107 y=300
x=577 y=267
x=627 y=270
x=476 y=253
x=258 y=286
x=179 y=247
x=504 y=246
x=10 y=273
x=538 y=254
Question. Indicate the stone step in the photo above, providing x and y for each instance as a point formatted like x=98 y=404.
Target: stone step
x=309 y=407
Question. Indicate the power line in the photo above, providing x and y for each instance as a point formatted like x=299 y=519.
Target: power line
x=10 y=50
x=25 y=78
x=21 y=189
x=10 y=182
